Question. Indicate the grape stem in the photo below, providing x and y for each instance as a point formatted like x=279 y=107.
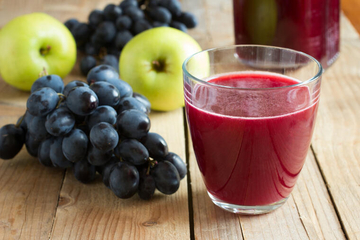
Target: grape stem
x=152 y=163
x=17 y=125
x=62 y=98
x=148 y=169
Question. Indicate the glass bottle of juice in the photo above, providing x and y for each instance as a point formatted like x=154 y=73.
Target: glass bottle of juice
x=310 y=26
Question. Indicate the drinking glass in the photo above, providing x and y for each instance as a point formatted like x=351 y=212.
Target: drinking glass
x=251 y=112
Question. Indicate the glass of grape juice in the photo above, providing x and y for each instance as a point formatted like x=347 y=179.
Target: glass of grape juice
x=251 y=112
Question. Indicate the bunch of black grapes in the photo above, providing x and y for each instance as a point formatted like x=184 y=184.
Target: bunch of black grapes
x=107 y=31
x=99 y=126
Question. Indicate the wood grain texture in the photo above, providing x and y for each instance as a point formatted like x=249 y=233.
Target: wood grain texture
x=337 y=137
x=93 y=212
x=308 y=213
x=351 y=9
x=210 y=222
x=61 y=10
x=28 y=191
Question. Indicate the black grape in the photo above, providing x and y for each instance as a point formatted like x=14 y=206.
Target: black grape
x=12 y=139
x=102 y=73
x=42 y=101
x=32 y=145
x=173 y=6
x=44 y=152
x=52 y=81
x=74 y=84
x=97 y=41
x=123 y=23
x=115 y=52
x=127 y=103
x=105 y=32
x=122 y=38
x=159 y=14
x=86 y=64
x=106 y=169
x=143 y=100
x=37 y=128
x=134 y=13
x=159 y=24
x=104 y=137
x=188 y=19
x=177 y=162
x=28 y=117
x=81 y=33
x=111 y=60
x=166 y=177
x=91 y=49
x=102 y=114
x=146 y=185
x=123 y=87
x=107 y=93
x=132 y=151
x=140 y=26
x=112 y=12
x=153 y=3
x=74 y=145
x=56 y=154
x=133 y=124
x=124 y=180
x=178 y=25
x=96 y=17
x=96 y=157
x=84 y=172
x=156 y=145
x=70 y=24
x=128 y=3
x=82 y=101
x=60 y=122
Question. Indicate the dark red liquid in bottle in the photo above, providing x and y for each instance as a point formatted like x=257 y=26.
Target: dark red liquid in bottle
x=310 y=26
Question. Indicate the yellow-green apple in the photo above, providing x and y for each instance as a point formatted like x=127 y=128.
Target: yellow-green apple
x=32 y=42
x=151 y=63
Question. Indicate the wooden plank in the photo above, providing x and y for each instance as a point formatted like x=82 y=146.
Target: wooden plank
x=29 y=191
x=351 y=10
x=210 y=222
x=308 y=213
x=215 y=22
x=62 y=10
x=93 y=212
x=337 y=136
x=347 y=31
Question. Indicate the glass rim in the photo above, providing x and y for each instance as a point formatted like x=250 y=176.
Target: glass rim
x=312 y=79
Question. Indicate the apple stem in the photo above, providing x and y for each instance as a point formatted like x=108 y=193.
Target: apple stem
x=17 y=125
x=43 y=72
x=158 y=65
x=44 y=51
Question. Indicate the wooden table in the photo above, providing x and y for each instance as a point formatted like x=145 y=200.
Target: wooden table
x=41 y=203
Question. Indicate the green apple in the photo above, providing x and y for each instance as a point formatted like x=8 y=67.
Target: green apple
x=152 y=61
x=32 y=42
